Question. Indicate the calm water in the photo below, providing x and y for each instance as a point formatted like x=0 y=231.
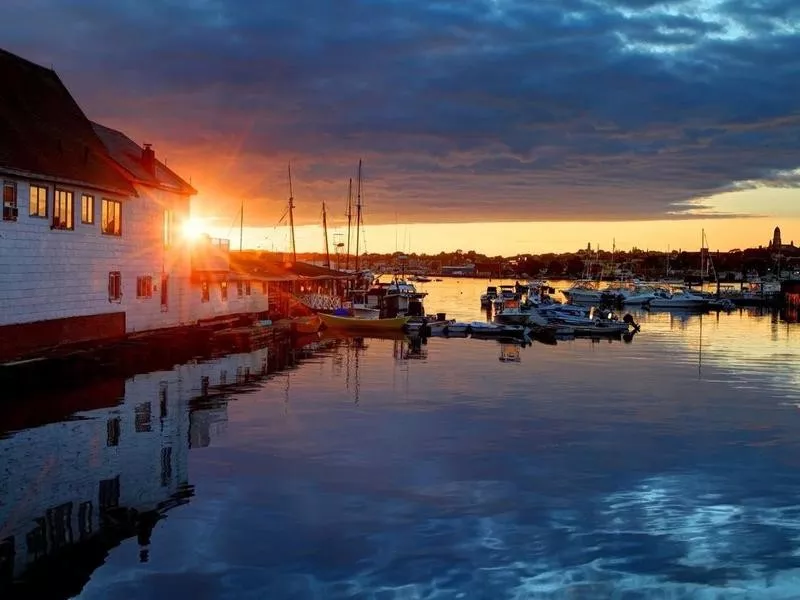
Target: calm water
x=668 y=467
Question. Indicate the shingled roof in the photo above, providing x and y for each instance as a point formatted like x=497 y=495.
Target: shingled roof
x=45 y=134
x=131 y=157
x=252 y=263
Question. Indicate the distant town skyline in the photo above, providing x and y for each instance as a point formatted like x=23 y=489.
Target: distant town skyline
x=662 y=114
x=509 y=239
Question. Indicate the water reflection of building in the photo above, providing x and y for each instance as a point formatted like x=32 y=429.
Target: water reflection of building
x=209 y=412
x=72 y=490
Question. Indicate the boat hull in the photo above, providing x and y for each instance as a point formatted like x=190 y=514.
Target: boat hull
x=307 y=325
x=337 y=322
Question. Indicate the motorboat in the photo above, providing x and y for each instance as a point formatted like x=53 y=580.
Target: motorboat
x=586 y=320
x=514 y=312
x=341 y=322
x=677 y=299
x=505 y=294
x=640 y=294
x=600 y=327
x=583 y=291
x=488 y=296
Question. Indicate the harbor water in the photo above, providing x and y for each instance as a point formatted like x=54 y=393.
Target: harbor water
x=667 y=466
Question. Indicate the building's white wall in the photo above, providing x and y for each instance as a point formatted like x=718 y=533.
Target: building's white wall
x=65 y=462
x=51 y=274
x=257 y=301
x=149 y=256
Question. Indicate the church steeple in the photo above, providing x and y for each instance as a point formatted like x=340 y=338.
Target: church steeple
x=776 y=238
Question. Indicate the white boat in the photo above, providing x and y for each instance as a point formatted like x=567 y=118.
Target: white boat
x=587 y=321
x=517 y=314
x=582 y=291
x=505 y=294
x=640 y=294
x=678 y=299
x=494 y=330
x=561 y=312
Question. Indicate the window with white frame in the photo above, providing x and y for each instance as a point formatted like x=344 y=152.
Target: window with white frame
x=114 y=286
x=87 y=209
x=111 y=217
x=38 y=201
x=144 y=286
x=10 y=210
x=63 y=202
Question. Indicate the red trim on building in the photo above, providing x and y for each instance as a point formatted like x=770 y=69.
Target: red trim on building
x=27 y=339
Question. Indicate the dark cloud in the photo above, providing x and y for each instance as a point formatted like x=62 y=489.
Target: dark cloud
x=462 y=110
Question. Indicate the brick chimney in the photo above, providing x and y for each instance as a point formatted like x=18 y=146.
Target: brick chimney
x=149 y=159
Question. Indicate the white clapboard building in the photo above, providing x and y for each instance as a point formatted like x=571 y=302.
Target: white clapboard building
x=91 y=231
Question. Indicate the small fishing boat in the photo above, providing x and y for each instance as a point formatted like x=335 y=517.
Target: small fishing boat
x=303 y=325
x=338 y=322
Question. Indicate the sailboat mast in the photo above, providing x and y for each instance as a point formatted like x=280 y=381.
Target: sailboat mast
x=325 y=234
x=291 y=215
x=703 y=256
x=349 y=220
x=358 y=213
x=241 y=228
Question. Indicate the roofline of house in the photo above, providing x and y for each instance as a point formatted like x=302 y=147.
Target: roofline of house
x=190 y=189
x=73 y=182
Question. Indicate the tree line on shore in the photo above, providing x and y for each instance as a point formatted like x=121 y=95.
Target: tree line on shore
x=647 y=263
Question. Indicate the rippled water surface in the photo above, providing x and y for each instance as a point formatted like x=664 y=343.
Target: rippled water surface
x=666 y=467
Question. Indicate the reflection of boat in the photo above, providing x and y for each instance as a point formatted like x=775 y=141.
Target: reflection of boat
x=352 y=334
x=510 y=353
x=337 y=322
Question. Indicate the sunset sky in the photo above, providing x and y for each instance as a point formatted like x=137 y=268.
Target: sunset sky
x=524 y=126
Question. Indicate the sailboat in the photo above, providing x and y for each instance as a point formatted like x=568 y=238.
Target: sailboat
x=364 y=317
x=359 y=304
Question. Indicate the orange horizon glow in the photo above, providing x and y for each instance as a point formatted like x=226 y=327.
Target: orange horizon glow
x=508 y=239
x=754 y=214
